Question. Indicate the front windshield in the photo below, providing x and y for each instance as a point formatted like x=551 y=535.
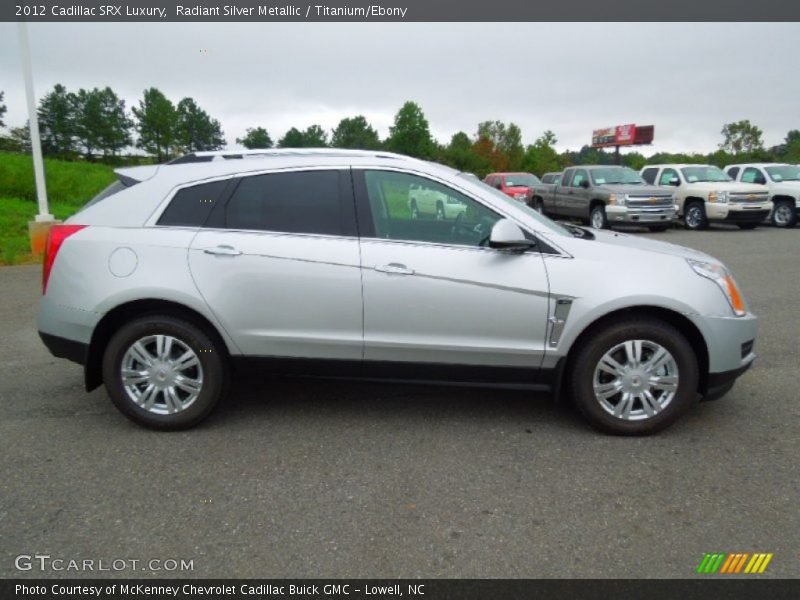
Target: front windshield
x=521 y=180
x=700 y=174
x=616 y=176
x=506 y=200
x=784 y=173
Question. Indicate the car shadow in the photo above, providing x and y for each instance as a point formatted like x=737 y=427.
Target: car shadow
x=253 y=398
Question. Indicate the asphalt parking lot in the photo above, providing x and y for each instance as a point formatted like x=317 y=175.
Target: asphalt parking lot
x=298 y=478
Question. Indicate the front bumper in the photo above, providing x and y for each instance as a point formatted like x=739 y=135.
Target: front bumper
x=630 y=214
x=730 y=342
x=738 y=213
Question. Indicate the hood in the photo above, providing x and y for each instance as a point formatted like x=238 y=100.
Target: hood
x=633 y=242
x=730 y=186
x=638 y=190
x=786 y=187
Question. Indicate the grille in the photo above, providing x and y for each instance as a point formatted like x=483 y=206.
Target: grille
x=645 y=201
x=744 y=198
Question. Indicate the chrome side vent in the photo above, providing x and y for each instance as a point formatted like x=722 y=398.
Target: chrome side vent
x=558 y=320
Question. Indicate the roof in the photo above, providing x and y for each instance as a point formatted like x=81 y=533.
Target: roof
x=207 y=165
x=676 y=165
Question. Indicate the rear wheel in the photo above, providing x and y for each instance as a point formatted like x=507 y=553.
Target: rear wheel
x=747 y=225
x=538 y=205
x=163 y=372
x=695 y=216
x=634 y=377
x=784 y=214
x=597 y=217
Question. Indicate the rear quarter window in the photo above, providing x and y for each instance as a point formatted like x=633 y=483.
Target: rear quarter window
x=191 y=206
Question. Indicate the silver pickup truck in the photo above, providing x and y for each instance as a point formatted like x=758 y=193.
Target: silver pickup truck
x=604 y=196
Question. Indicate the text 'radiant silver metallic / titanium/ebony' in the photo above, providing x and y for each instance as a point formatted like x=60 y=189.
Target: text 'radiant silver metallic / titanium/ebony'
x=371 y=264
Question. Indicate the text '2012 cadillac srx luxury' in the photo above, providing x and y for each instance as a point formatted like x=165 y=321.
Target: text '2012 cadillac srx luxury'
x=313 y=262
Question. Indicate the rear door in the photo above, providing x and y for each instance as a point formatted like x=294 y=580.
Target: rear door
x=278 y=264
x=434 y=293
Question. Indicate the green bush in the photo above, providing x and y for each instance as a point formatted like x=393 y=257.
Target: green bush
x=73 y=183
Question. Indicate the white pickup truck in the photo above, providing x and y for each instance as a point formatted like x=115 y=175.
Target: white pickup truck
x=705 y=194
x=783 y=182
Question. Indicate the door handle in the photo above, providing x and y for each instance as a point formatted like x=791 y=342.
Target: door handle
x=395 y=269
x=223 y=250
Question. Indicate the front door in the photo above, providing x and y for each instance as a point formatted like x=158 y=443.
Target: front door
x=434 y=293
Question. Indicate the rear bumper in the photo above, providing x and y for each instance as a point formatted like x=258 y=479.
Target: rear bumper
x=63 y=348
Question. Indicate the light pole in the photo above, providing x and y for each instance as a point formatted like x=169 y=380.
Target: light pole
x=39 y=227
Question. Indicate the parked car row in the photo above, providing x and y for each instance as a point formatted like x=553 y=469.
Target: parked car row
x=699 y=195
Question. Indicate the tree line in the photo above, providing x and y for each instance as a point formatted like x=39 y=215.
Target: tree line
x=95 y=123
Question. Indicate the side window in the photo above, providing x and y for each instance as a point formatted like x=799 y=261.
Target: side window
x=669 y=177
x=649 y=175
x=296 y=202
x=191 y=206
x=579 y=177
x=411 y=208
x=733 y=172
x=752 y=175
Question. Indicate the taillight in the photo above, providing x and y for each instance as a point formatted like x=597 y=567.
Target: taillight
x=56 y=237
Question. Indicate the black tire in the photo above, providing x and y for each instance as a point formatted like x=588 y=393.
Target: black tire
x=211 y=357
x=538 y=205
x=604 y=338
x=658 y=228
x=597 y=218
x=787 y=217
x=695 y=221
x=747 y=225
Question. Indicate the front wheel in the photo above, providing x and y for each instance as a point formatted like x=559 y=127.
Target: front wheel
x=695 y=217
x=784 y=214
x=597 y=218
x=634 y=377
x=163 y=372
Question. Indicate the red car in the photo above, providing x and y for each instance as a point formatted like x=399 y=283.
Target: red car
x=512 y=184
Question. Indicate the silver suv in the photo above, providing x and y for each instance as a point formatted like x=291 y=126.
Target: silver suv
x=312 y=262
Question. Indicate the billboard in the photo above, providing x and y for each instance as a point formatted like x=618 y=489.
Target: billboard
x=622 y=135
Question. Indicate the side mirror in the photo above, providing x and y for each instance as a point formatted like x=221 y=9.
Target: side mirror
x=585 y=184
x=674 y=182
x=506 y=235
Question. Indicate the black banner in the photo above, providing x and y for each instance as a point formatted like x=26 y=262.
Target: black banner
x=400 y=10
x=418 y=589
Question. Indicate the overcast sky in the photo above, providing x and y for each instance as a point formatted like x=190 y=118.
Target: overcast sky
x=686 y=79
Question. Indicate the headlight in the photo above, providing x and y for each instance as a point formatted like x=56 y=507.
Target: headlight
x=618 y=199
x=720 y=196
x=520 y=197
x=724 y=280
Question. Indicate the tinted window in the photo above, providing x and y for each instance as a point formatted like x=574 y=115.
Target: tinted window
x=649 y=175
x=297 y=202
x=669 y=177
x=411 y=208
x=191 y=206
x=580 y=176
x=733 y=172
x=752 y=175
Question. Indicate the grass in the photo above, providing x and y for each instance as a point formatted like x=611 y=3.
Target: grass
x=67 y=182
x=69 y=186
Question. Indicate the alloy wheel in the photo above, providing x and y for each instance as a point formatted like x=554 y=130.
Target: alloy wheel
x=782 y=215
x=636 y=380
x=161 y=374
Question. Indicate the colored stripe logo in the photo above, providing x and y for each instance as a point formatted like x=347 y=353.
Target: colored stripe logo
x=734 y=563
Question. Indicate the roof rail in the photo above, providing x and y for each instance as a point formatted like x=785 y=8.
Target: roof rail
x=208 y=156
